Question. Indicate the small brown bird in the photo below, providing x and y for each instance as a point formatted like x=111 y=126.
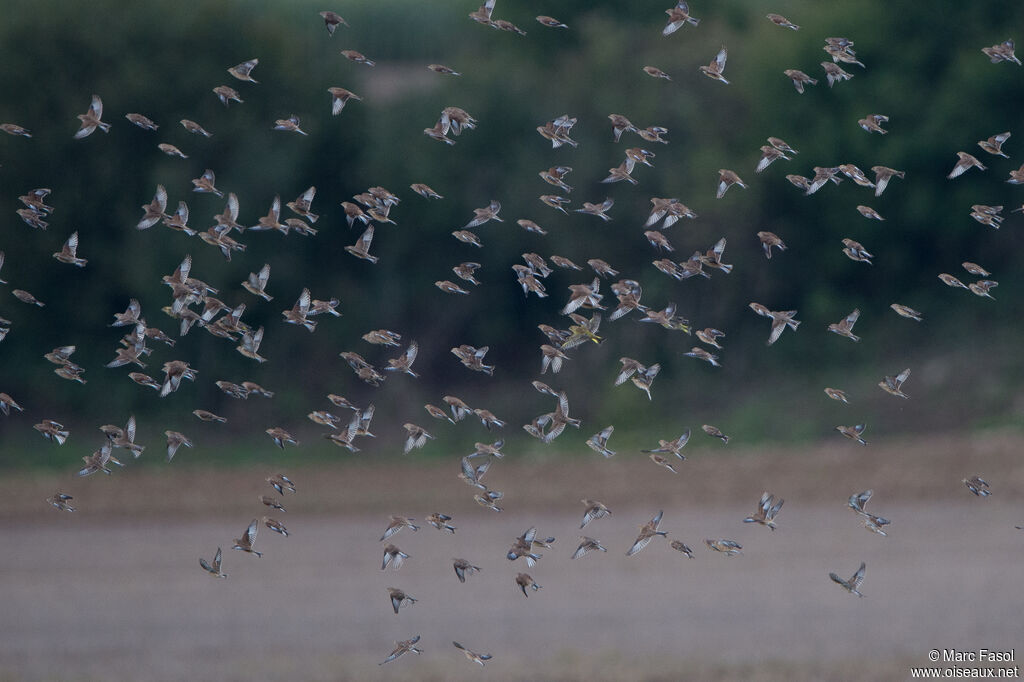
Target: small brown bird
x=399 y=598
x=658 y=240
x=393 y=556
x=242 y=71
x=834 y=73
x=800 y=79
x=302 y=204
x=994 y=144
x=555 y=202
x=681 y=548
x=91 y=119
x=68 y=252
x=782 y=21
x=59 y=501
x=621 y=172
x=204 y=183
x=673 y=446
x=52 y=431
x=873 y=523
x=975 y=269
x=717 y=66
x=550 y=22
x=599 y=443
x=602 y=268
x=272 y=502
x=853 y=432
x=245 y=542
x=1001 y=52
x=440 y=522
x=482 y=658
x=769 y=240
x=710 y=336
x=869 y=213
x=257 y=282
x=463 y=567
x=460 y=410
x=647 y=531
x=26 y=297
x=767 y=509
x=523 y=547
x=769 y=154
x=441 y=68
x=275 y=526
x=142 y=121
x=853 y=584
x=905 y=311
x=14 y=129
x=882 y=176
x=472 y=474
x=965 y=163
x=727 y=547
x=403 y=363
x=383 y=337
x=403 y=648
x=171 y=151
x=836 y=394
x=726 y=179
x=473 y=358
x=357 y=57
x=951 y=281
x=281 y=437
x=175 y=440
x=977 y=485
x=894 y=384
x=855 y=251
x=281 y=483
x=144 y=380
x=644 y=377
x=207 y=416
x=655 y=72
x=594 y=510
x=715 y=432
x=361 y=249
x=424 y=191
x=332 y=20
x=701 y=354
x=980 y=288
x=213 y=568
x=801 y=182
x=554 y=176
x=872 y=123
x=587 y=545
x=597 y=209
x=32 y=218
x=195 y=128
x=467 y=237
x=450 y=287
x=97 y=461
x=227 y=94
x=416 y=437
x=524 y=581
x=845 y=326
x=678 y=17
x=290 y=124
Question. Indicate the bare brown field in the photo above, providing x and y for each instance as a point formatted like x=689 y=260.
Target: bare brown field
x=114 y=591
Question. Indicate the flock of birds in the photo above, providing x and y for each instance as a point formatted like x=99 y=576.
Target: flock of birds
x=193 y=303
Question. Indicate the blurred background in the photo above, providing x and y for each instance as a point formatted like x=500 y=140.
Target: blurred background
x=93 y=591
